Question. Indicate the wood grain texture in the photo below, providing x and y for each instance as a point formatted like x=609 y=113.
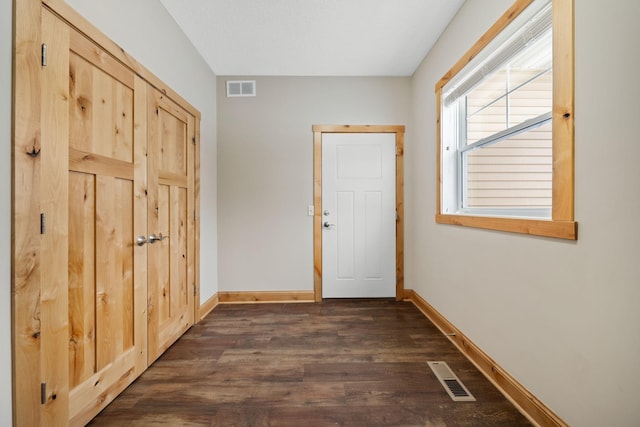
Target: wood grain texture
x=560 y=229
x=107 y=289
x=98 y=60
x=563 y=111
x=25 y=232
x=338 y=362
x=273 y=296
x=95 y=393
x=528 y=404
x=438 y=152
x=82 y=285
x=79 y=288
x=199 y=313
x=400 y=214
x=171 y=182
x=107 y=211
x=358 y=128
x=140 y=204
x=317 y=214
x=83 y=161
x=54 y=356
x=318 y=130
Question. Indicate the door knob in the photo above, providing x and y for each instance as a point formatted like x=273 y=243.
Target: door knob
x=327 y=225
x=141 y=240
x=159 y=238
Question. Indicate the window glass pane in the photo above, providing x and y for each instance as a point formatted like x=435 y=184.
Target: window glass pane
x=531 y=100
x=512 y=173
x=534 y=59
x=526 y=82
x=487 y=92
x=487 y=121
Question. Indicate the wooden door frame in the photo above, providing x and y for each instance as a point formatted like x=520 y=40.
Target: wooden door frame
x=318 y=131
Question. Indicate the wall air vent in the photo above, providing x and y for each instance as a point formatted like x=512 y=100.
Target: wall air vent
x=457 y=391
x=241 y=88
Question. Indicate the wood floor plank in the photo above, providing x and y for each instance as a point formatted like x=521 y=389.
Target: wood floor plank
x=338 y=362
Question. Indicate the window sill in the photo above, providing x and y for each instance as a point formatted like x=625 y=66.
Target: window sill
x=537 y=227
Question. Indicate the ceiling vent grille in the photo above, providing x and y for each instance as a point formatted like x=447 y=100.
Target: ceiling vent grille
x=241 y=88
x=453 y=386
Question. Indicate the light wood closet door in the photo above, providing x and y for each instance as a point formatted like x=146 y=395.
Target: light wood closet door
x=102 y=160
x=106 y=213
x=171 y=279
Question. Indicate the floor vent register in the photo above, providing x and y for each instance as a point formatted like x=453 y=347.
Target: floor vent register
x=450 y=382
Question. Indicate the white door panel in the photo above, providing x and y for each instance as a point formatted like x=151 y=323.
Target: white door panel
x=358 y=198
x=373 y=235
x=344 y=255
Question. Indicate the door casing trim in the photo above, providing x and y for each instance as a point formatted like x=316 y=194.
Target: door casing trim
x=318 y=131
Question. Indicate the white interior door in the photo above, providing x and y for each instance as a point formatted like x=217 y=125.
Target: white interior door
x=358 y=215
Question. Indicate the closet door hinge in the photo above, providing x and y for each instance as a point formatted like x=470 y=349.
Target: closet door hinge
x=43 y=393
x=43 y=54
x=194 y=215
x=194 y=140
x=43 y=223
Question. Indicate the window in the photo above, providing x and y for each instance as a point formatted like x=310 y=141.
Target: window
x=505 y=134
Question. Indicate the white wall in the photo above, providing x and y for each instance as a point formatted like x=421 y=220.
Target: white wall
x=265 y=166
x=5 y=211
x=562 y=317
x=146 y=31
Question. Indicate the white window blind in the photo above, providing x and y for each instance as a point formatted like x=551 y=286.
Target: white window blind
x=532 y=24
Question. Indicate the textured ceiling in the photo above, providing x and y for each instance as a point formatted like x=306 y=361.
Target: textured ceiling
x=313 y=37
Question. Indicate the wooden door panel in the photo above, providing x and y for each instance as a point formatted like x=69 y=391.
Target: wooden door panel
x=177 y=299
x=172 y=154
x=171 y=276
x=179 y=248
x=100 y=99
x=107 y=210
x=113 y=103
x=101 y=292
x=114 y=268
x=161 y=258
x=172 y=258
x=81 y=277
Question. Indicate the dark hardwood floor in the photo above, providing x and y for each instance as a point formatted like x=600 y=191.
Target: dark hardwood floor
x=335 y=363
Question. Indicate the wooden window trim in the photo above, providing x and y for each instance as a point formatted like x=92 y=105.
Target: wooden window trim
x=562 y=224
